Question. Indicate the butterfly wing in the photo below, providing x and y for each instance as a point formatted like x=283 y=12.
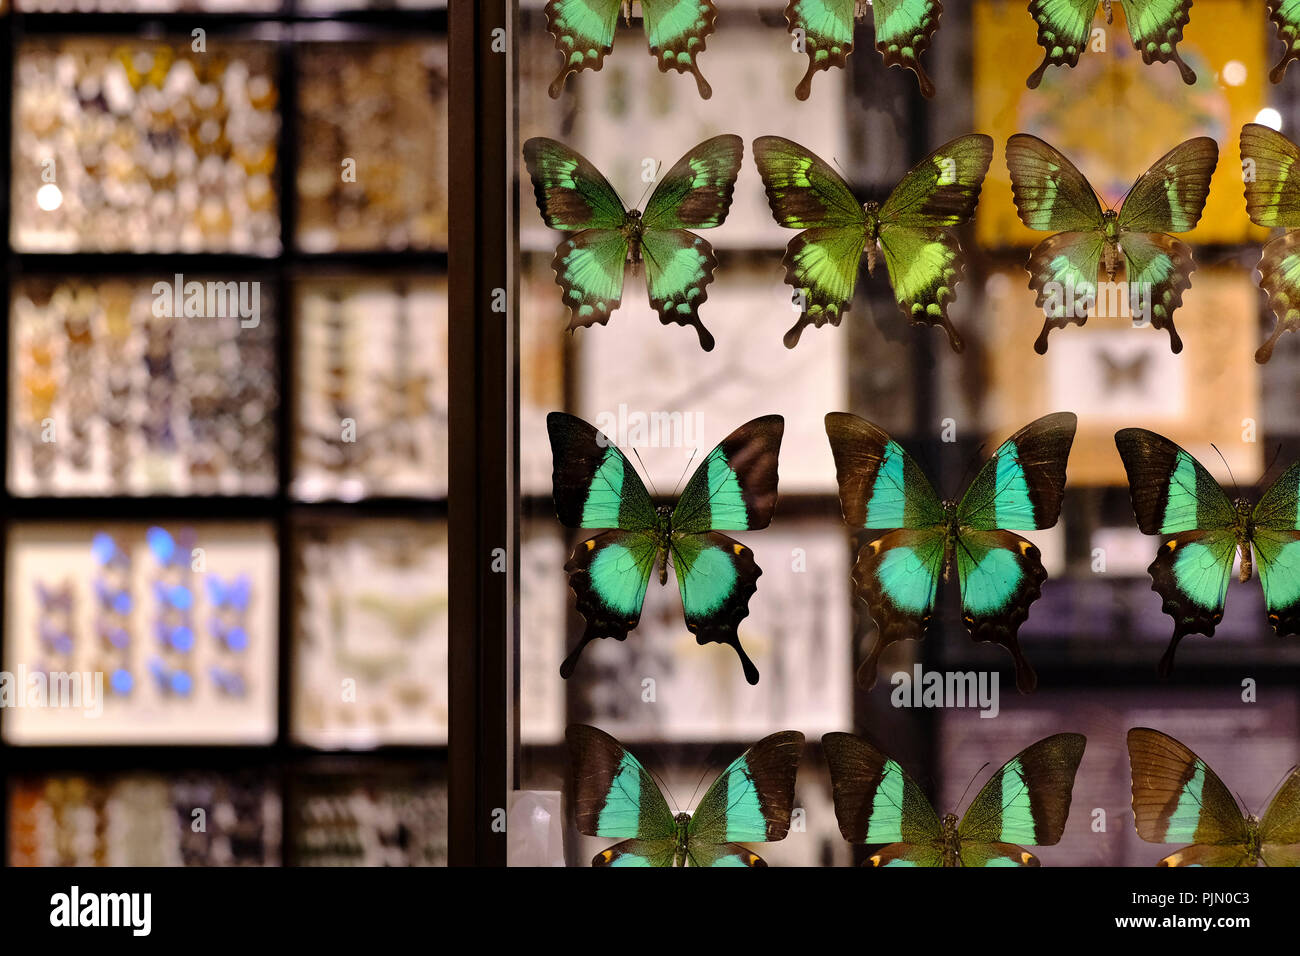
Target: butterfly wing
x=827 y=32
x=1177 y=798
x=660 y=852
x=593 y=483
x=1063 y=30
x=1022 y=484
x=750 y=802
x=677 y=31
x=716 y=576
x=1279 y=830
x=903 y=32
x=584 y=34
x=1170 y=196
x=1158 y=268
x=679 y=266
x=573 y=196
x=1272 y=201
x=923 y=256
x=608 y=575
x=722 y=854
x=1285 y=15
x=1156 y=26
x=1276 y=540
x=896 y=573
x=1050 y=193
x=1027 y=801
x=1172 y=494
x=614 y=795
x=877 y=802
x=821 y=263
x=735 y=487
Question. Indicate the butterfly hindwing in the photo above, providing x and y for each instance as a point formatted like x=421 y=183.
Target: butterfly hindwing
x=677 y=31
x=1177 y=798
x=614 y=795
x=1156 y=27
x=1001 y=576
x=1279 y=276
x=661 y=852
x=609 y=575
x=1160 y=268
x=722 y=854
x=679 y=266
x=897 y=575
x=584 y=34
x=716 y=576
x=751 y=801
x=1064 y=27
x=735 y=487
x=904 y=29
x=1276 y=540
x=875 y=800
x=827 y=34
x=1028 y=799
x=1285 y=15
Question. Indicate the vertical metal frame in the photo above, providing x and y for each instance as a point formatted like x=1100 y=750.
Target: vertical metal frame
x=483 y=561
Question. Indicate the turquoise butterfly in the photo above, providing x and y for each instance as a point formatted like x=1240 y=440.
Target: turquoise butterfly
x=1000 y=574
x=615 y=797
x=675 y=29
x=1154 y=26
x=1027 y=801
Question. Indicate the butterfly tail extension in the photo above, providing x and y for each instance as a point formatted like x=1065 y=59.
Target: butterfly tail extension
x=716 y=576
x=897 y=577
x=997 y=594
x=677 y=31
x=584 y=35
x=1157 y=39
x=828 y=41
x=901 y=42
x=608 y=575
x=1063 y=31
x=1190 y=573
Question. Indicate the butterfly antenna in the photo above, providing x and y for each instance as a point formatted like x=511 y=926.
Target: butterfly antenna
x=650 y=185
x=689 y=461
x=663 y=788
x=1277 y=450
x=973 y=778
x=703 y=773
x=646 y=472
x=1235 y=489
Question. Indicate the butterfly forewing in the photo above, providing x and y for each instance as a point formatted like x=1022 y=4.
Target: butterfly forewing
x=752 y=799
x=944 y=188
x=593 y=483
x=1028 y=800
x=571 y=193
x=1022 y=484
x=880 y=485
x=696 y=193
x=1177 y=798
x=1171 y=491
x=735 y=487
x=1170 y=196
x=875 y=800
x=614 y=795
x=1050 y=193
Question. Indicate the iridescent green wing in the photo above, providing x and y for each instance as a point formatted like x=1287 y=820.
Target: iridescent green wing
x=903 y=32
x=1172 y=494
x=1285 y=15
x=695 y=194
x=877 y=802
x=1156 y=26
x=735 y=487
x=921 y=252
x=1177 y=798
x=1064 y=27
x=573 y=196
x=1051 y=194
x=1168 y=197
x=750 y=802
x=1000 y=573
x=676 y=31
x=1279 y=829
x=595 y=486
x=614 y=796
x=584 y=34
x=1271 y=164
x=822 y=262
x=896 y=573
x=1276 y=539
x=716 y=576
x=1026 y=802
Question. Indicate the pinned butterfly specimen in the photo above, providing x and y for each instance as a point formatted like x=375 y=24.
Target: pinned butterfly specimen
x=575 y=198
x=616 y=797
x=1027 y=801
x=675 y=29
x=912 y=230
x=1053 y=196
x=733 y=489
x=1285 y=15
x=1177 y=798
x=1065 y=26
x=903 y=32
x=916 y=537
x=1273 y=201
x=1174 y=495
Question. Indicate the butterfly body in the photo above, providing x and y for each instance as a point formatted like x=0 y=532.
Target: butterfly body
x=1174 y=496
x=615 y=796
x=1178 y=798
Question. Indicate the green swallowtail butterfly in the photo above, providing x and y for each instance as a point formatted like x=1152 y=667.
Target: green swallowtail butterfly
x=749 y=803
x=1000 y=574
x=1065 y=26
x=1174 y=495
x=912 y=230
x=1272 y=201
x=675 y=29
x=1177 y=798
x=903 y=32
x=1027 y=801
x=1285 y=15
x=1053 y=196
x=733 y=489
x=574 y=197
